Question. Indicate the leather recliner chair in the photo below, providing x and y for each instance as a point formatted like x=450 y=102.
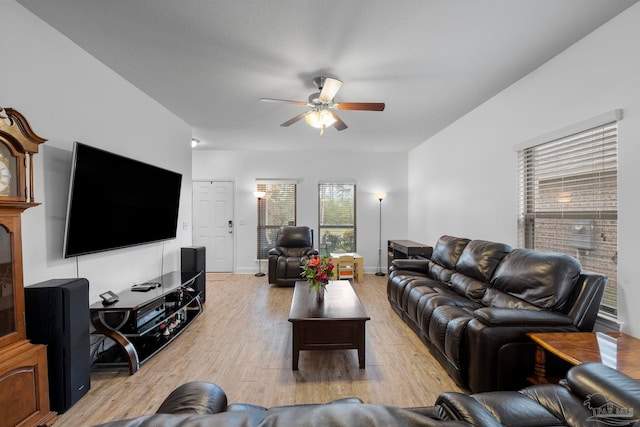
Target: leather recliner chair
x=294 y=246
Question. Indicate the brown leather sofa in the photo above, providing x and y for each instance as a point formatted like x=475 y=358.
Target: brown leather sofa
x=294 y=246
x=592 y=395
x=474 y=302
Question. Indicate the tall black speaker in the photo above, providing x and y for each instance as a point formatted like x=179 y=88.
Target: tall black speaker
x=192 y=260
x=57 y=314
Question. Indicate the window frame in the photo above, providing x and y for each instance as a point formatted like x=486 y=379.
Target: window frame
x=327 y=248
x=549 y=165
x=266 y=233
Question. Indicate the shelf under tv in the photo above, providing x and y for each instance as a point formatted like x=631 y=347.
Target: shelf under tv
x=140 y=324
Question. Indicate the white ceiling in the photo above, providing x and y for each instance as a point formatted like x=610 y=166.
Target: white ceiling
x=430 y=61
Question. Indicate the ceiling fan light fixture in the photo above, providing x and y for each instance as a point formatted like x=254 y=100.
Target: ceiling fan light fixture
x=320 y=119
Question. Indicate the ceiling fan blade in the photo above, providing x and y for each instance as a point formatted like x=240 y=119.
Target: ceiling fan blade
x=329 y=89
x=339 y=124
x=360 y=106
x=293 y=120
x=303 y=103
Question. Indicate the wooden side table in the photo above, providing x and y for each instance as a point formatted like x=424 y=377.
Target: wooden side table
x=614 y=349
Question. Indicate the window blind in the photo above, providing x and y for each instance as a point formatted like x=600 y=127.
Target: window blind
x=569 y=201
x=337 y=218
x=275 y=209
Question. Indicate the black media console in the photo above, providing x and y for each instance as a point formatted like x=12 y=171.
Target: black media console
x=402 y=249
x=143 y=323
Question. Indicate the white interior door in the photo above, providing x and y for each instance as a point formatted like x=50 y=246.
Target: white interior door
x=213 y=223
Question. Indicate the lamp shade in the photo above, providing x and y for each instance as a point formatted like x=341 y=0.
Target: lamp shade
x=320 y=119
x=259 y=194
x=380 y=195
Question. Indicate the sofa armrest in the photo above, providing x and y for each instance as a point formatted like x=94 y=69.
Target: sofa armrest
x=275 y=252
x=499 y=352
x=417 y=265
x=588 y=296
x=591 y=378
x=493 y=316
x=458 y=406
x=196 y=397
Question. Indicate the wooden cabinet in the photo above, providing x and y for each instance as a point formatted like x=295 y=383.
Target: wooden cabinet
x=24 y=384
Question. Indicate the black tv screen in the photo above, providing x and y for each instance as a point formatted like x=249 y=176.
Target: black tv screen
x=116 y=202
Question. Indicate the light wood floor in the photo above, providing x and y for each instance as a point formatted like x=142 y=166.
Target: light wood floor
x=242 y=342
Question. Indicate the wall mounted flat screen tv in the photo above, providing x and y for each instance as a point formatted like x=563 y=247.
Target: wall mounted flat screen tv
x=117 y=202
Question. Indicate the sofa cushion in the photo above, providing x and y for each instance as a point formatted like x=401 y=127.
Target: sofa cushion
x=438 y=272
x=543 y=279
x=339 y=415
x=442 y=298
x=251 y=407
x=424 y=286
x=448 y=250
x=418 y=296
x=563 y=404
x=480 y=258
x=468 y=287
x=497 y=298
x=447 y=331
x=489 y=408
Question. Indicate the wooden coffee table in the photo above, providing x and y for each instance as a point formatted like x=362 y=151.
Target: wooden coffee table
x=614 y=349
x=337 y=323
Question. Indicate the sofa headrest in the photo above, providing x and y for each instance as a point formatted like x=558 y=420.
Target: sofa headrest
x=543 y=279
x=448 y=250
x=295 y=237
x=600 y=385
x=480 y=258
x=196 y=397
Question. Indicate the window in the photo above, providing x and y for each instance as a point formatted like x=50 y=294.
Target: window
x=569 y=201
x=275 y=209
x=337 y=218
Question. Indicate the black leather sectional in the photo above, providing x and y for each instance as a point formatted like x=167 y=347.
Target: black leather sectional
x=474 y=302
x=593 y=395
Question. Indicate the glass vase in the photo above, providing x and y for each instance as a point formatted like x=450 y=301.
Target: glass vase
x=320 y=293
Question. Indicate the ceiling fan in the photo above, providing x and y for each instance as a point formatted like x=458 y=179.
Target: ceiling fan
x=321 y=105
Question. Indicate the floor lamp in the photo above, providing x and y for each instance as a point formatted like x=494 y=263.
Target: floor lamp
x=259 y=195
x=380 y=196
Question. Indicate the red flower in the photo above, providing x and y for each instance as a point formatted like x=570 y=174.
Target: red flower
x=318 y=270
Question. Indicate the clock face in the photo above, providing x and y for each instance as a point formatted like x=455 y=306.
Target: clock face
x=5 y=176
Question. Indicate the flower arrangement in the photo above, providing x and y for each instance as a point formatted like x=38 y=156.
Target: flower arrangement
x=318 y=270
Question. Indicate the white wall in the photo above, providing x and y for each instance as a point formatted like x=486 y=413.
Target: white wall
x=67 y=96
x=370 y=171
x=463 y=181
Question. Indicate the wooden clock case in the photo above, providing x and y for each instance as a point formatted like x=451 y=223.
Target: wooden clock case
x=24 y=384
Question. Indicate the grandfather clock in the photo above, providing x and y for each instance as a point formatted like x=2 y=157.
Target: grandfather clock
x=24 y=384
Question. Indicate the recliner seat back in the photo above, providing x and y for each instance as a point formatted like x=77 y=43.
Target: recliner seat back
x=475 y=267
x=445 y=256
x=547 y=286
x=294 y=239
